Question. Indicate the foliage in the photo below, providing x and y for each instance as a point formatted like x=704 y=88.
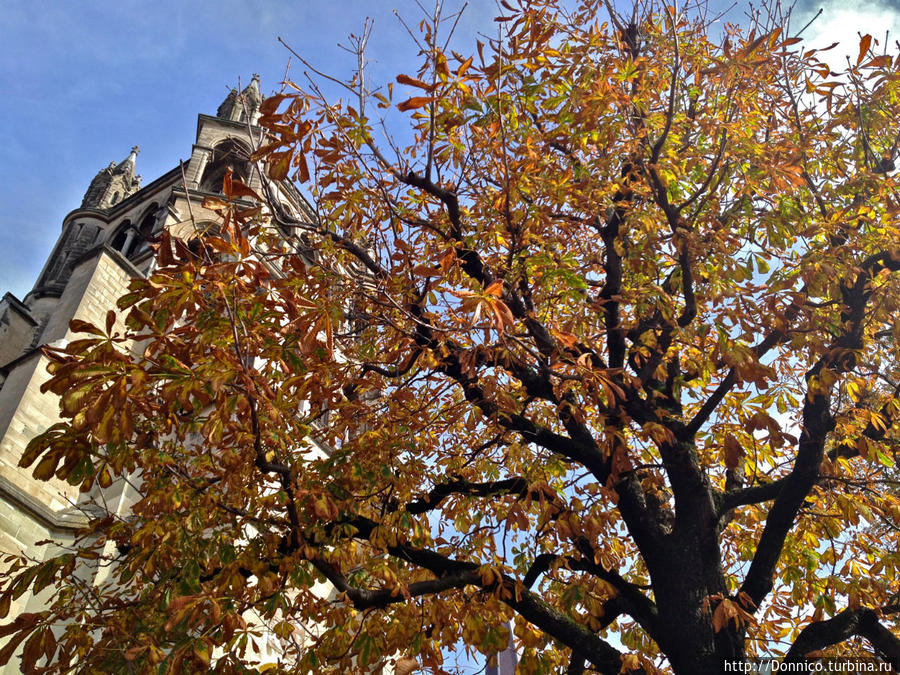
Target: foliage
x=610 y=350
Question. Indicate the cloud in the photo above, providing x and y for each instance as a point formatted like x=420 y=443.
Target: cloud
x=843 y=22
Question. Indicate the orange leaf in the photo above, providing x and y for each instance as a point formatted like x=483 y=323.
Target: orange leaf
x=567 y=339
x=414 y=82
x=864 y=43
x=495 y=289
x=270 y=104
x=414 y=103
x=238 y=189
x=503 y=315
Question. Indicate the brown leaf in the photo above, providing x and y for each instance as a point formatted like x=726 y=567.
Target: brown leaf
x=414 y=103
x=302 y=168
x=79 y=326
x=110 y=321
x=270 y=104
x=734 y=452
x=864 y=44
x=414 y=82
x=278 y=165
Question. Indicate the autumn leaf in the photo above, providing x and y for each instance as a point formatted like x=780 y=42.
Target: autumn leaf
x=414 y=103
x=414 y=82
x=864 y=43
x=278 y=164
x=734 y=452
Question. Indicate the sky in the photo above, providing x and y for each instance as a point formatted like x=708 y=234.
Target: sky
x=82 y=82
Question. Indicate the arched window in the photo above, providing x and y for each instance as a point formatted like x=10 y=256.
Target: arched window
x=131 y=240
x=122 y=237
x=229 y=153
x=145 y=231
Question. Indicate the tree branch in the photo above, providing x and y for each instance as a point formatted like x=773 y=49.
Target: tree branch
x=452 y=573
x=844 y=625
x=817 y=424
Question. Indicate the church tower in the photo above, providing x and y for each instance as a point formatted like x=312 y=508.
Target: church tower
x=103 y=244
x=113 y=184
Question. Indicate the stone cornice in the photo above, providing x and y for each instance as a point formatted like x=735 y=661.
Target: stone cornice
x=68 y=519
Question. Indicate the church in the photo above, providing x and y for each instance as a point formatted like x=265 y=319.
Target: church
x=103 y=244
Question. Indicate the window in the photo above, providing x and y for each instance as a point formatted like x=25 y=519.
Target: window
x=228 y=153
x=145 y=231
x=122 y=237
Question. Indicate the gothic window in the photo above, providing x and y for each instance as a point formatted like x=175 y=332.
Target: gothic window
x=131 y=240
x=122 y=236
x=228 y=153
x=145 y=231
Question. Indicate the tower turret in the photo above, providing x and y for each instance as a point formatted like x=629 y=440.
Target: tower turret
x=113 y=183
x=238 y=107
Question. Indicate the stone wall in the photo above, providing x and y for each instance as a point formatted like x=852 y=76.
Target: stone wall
x=96 y=283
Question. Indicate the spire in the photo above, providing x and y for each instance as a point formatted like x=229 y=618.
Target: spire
x=252 y=89
x=238 y=107
x=127 y=165
x=226 y=108
x=113 y=183
x=130 y=160
x=251 y=98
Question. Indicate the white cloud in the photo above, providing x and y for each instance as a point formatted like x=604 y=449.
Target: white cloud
x=844 y=21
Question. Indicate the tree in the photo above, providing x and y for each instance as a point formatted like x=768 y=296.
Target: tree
x=610 y=350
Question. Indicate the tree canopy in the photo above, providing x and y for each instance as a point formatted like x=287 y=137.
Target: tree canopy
x=593 y=335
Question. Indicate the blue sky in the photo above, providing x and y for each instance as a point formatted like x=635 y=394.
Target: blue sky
x=81 y=82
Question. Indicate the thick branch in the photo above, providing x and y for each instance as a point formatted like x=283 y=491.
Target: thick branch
x=817 y=425
x=611 y=292
x=709 y=406
x=605 y=658
x=765 y=492
x=452 y=573
x=365 y=598
x=751 y=495
x=849 y=623
x=579 y=447
x=629 y=598
x=510 y=486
